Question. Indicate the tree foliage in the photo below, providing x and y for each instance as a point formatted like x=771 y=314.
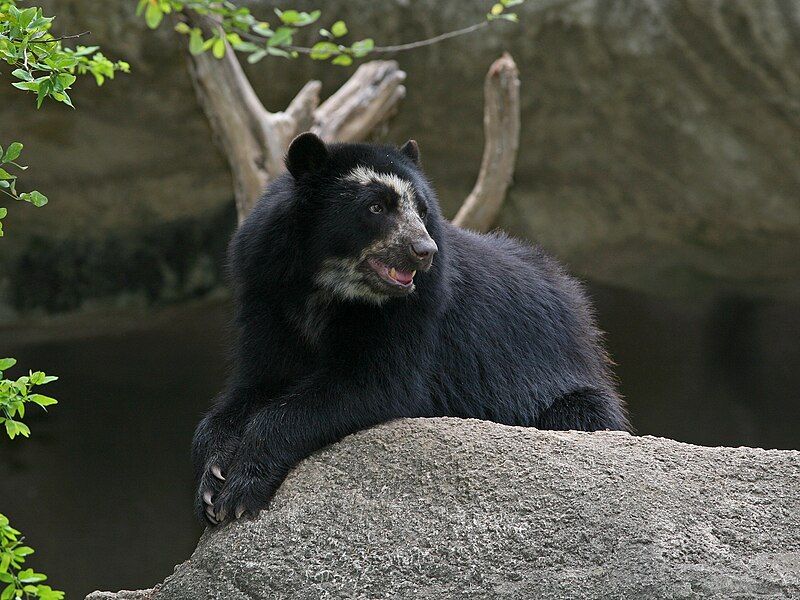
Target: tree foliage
x=258 y=38
x=42 y=65
x=8 y=180
x=16 y=582
x=15 y=394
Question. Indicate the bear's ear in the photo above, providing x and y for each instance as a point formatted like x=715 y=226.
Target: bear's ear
x=306 y=153
x=411 y=150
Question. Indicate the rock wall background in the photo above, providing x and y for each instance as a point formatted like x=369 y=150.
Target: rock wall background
x=660 y=148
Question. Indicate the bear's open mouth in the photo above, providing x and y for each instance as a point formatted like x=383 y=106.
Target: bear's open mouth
x=392 y=275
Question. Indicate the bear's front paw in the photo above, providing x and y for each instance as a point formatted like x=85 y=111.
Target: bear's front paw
x=248 y=488
x=212 y=480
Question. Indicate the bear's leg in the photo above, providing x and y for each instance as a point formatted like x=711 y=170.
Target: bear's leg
x=214 y=446
x=584 y=410
x=289 y=428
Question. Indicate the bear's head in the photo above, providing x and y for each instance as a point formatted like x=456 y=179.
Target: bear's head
x=370 y=217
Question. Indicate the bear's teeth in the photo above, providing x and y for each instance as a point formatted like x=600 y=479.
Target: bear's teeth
x=393 y=273
x=414 y=272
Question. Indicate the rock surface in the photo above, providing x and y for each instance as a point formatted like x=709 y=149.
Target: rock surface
x=449 y=508
x=659 y=146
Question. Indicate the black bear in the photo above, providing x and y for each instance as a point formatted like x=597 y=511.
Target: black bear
x=357 y=303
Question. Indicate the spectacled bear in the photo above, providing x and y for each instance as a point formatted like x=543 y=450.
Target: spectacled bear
x=358 y=303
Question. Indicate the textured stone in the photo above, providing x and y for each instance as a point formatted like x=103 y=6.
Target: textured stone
x=450 y=508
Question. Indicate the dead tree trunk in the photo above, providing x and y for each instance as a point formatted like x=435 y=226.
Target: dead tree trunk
x=254 y=140
x=501 y=122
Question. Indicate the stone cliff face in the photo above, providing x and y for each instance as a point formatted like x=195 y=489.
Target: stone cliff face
x=450 y=508
x=659 y=147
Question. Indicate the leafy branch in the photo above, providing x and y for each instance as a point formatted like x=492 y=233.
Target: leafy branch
x=15 y=394
x=42 y=65
x=8 y=181
x=19 y=582
x=257 y=38
x=15 y=581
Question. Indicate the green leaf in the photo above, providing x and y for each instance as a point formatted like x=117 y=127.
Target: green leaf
x=262 y=29
x=281 y=37
x=8 y=593
x=219 y=48
x=256 y=56
x=7 y=363
x=182 y=28
x=343 y=60
x=362 y=47
x=13 y=152
x=26 y=85
x=12 y=428
x=22 y=74
x=308 y=18
x=324 y=50
x=35 y=198
x=42 y=400
x=6 y=175
x=287 y=16
x=196 y=42
x=23 y=551
x=339 y=29
x=65 y=80
x=3 y=213
x=300 y=19
x=153 y=15
x=28 y=576
x=25 y=17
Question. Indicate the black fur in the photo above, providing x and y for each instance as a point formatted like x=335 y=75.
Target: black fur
x=495 y=329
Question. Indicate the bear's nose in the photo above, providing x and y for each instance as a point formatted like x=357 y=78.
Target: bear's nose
x=424 y=249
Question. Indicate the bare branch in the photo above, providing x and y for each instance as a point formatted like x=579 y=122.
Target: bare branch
x=236 y=118
x=501 y=124
x=302 y=108
x=259 y=39
x=59 y=39
x=368 y=99
x=430 y=41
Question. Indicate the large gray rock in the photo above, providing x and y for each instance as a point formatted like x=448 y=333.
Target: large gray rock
x=449 y=508
x=659 y=146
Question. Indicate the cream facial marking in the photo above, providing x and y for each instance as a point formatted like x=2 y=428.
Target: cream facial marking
x=409 y=223
x=348 y=278
x=366 y=175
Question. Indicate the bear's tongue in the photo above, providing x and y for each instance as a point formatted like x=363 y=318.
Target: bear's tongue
x=404 y=277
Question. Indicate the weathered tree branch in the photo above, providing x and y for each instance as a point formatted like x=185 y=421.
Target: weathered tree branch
x=254 y=140
x=501 y=124
x=369 y=98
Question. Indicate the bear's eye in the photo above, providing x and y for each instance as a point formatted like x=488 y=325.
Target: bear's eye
x=375 y=208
